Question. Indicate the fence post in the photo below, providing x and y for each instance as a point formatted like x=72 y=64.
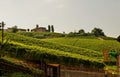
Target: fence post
x=2 y=24
x=106 y=73
x=0 y=73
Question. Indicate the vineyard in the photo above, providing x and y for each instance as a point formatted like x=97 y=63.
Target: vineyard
x=95 y=44
x=64 y=54
x=68 y=51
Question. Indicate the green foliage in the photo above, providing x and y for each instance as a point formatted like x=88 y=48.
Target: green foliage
x=72 y=34
x=113 y=53
x=61 y=47
x=67 y=51
x=28 y=30
x=2 y=45
x=14 y=29
x=40 y=35
x=112 y=68
x=118 y=38
x=48 y=28
x=92 y=43
x=36 y=53
x=81 y=32
x=35 y=49
x=18 y=65
x=97 y=32
x=52 y=28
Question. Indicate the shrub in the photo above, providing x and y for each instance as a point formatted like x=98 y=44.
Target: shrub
x=118 y=38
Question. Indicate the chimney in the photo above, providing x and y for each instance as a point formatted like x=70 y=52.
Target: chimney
x=37 y=26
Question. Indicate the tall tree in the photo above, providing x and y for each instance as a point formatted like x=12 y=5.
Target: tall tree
x=48 y=28
x=0 y=27
x=118 y=38
x=81 y=32
x=28 y=30
x=14 y=29
x=52 y=28
x=98 y=32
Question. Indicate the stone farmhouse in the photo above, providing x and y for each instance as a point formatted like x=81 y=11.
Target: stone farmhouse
x=39 y=29
x=19 y=29
x=36 y=29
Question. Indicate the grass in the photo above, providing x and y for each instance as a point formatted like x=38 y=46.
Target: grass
x=55 y=46
x=41 y=35
x=93 y=44
x=112 y=69
x=80 y=49
x=20 y=65
x=37 y=53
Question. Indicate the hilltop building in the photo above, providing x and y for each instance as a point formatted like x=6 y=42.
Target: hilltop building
x=36 y=29
x=19 y=29
x=39 y=29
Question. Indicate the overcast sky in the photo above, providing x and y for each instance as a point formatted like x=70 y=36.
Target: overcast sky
x=65 y=15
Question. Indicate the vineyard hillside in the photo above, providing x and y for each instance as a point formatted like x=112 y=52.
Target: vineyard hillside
x=61 y=49
x=96 y=44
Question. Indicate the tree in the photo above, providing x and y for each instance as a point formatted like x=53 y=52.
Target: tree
x=0 y=27
x=28 y=30
x=52 y=28
x=48 y=28
x=81 y=32
x=71 y=34
x=97 y=32
x=118 y=38
x=14 y=29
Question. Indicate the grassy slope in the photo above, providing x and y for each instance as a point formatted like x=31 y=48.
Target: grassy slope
x=88 y=42
x=41 y=34
x=98 y=45
x=18 y=64
x=87 y=47
x=70 y=53
x=55 y=46
x=93 y=44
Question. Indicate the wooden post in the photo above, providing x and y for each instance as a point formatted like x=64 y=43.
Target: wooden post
x=1 y=42
x=2 y=24
x=106 y=55
x=0 y=73
x=106 y=73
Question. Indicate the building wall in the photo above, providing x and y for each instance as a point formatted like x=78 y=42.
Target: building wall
x=10 y=29
x=70 y=73
x=39 y=29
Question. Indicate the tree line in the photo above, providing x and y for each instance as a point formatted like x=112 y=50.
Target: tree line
x=96 y=32
x=14 y=29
